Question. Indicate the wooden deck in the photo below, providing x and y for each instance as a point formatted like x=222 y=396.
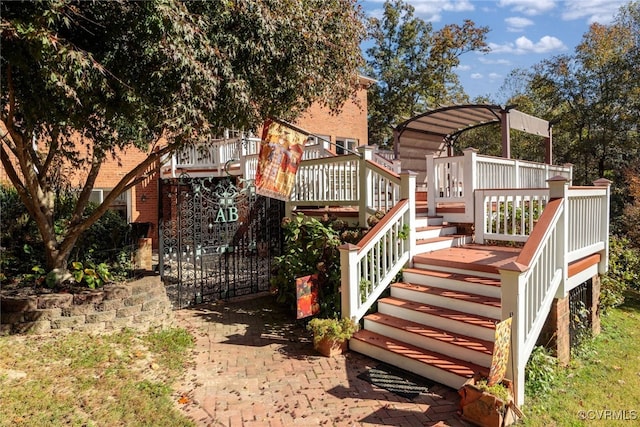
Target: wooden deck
x=488 y=259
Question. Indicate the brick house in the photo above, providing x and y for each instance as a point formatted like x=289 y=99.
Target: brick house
x=140 y=204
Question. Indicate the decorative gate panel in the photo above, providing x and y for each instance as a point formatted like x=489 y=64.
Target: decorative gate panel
x=217 y=239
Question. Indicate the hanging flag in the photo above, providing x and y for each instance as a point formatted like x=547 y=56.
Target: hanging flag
x=280 y=155
x=500 y=352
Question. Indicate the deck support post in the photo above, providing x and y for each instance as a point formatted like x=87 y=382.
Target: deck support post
x=408 y=191
x=348 y=280
x=470 y=182
x=431 y=186
x=366 y=185
x=603 y=265
x=513 y=306
x=559 y=189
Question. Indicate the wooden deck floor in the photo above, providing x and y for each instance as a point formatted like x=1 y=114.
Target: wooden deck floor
x=475 y=257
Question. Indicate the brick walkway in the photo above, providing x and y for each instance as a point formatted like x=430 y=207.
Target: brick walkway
x=256 y=367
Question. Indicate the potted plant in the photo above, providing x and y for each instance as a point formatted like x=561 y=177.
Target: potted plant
x=488 y=406
x=330 y=335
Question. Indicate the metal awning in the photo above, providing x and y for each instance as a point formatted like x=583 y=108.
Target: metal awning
x=435 y=131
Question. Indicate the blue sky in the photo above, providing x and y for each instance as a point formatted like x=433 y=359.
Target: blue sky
x=522 y=32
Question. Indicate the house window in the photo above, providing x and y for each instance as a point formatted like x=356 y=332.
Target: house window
x=318 y=141
x=346 y=145
x=121 y=204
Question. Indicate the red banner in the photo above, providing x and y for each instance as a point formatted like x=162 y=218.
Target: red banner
x=280 y=154
x=307 y=296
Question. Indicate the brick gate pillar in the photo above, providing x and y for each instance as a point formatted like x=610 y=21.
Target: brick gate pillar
x=555 y=333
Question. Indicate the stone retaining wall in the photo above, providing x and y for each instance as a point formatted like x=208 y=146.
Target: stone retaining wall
x=141 y=304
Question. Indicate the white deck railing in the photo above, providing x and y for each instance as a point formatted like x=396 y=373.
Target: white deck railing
x=368 y=268
x=349 y=180
x=455 y=179
x=541 y=271
x=329 y=181
x=508 y=215
x=214 y=156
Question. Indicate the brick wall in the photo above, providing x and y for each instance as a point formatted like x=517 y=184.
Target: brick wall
x=555 y=334
x=351 y=123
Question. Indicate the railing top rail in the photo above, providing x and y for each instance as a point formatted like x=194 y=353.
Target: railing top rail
x=516 y=191
x=383 y=226
x=446 y=159
x=528 y=163
x=587 y=191
x=326 y=160
x=382 y=170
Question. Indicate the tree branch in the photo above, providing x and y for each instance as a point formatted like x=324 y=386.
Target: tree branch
x=129 y=180
x=53 y=148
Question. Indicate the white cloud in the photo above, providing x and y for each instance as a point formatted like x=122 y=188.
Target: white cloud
x=601 y=11
x=495 y=76
x=517 y=24
x=463 y=67
x=488 y=61
x=529 y=7
x=523 y=46
x=476 y=76
x=431 y=10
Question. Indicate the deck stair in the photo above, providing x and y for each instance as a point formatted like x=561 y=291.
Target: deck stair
x=439 y=321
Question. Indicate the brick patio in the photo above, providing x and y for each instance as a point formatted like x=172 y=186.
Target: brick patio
x=254 y=366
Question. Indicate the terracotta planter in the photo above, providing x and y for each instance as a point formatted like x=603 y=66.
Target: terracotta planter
x=330 y=347
x=485 y=409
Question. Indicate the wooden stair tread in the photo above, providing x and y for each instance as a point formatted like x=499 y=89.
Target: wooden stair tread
x=465 y=341
x=434 y=239
x=454 y=315
x=433 y=227
x=448 y=293
x=440 y=361
x=460 y=277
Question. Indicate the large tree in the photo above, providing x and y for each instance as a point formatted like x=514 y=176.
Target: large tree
x=594 y=96
x=414 y=65
x=155 y=75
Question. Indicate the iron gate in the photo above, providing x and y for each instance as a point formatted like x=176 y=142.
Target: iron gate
x=217 y=238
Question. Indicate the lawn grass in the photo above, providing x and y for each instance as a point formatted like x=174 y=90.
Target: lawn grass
x=80 y=379
x=601 y=386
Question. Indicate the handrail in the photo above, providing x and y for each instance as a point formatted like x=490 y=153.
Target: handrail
x=368 y=268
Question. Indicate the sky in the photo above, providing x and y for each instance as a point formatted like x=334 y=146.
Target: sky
x=522 y=32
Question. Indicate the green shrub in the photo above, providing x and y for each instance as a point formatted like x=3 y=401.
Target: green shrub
x=540 y=372
x=334 y=329
x=624 y=272
x=310 y=247
x=104 y=250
